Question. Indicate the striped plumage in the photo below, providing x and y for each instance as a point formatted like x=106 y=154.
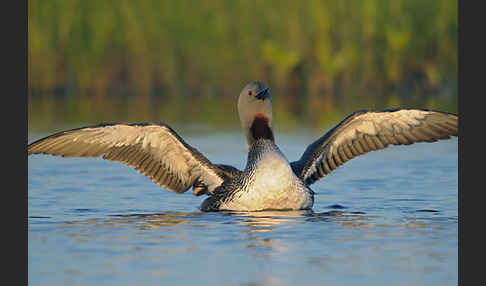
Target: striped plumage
x=268 y=181
x=364 y=131
x=253 y=187
x=154 y=150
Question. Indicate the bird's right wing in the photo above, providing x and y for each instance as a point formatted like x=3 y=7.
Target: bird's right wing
x=154 y=150
x=365 y=131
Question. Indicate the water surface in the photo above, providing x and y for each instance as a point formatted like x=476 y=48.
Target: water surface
x=387 y=217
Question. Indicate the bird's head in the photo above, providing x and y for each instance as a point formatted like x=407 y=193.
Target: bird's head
x=255 y=111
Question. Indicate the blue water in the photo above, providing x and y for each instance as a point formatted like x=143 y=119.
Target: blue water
x=389 y=217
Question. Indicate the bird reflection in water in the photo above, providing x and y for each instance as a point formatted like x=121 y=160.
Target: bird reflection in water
x=261 y=221
x=260 y=235
x=256 y=225
x=157 y=220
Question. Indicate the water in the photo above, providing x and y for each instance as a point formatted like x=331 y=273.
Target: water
x=385 y=218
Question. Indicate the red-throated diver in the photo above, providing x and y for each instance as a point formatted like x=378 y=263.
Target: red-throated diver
x=268 y=181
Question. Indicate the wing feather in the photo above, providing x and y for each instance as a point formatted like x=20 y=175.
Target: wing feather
x=365 y=131
x=154 y=150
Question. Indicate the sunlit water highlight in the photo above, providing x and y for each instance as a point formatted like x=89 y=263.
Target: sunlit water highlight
x=385 y=218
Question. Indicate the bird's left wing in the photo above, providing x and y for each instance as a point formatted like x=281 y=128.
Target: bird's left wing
x=155 y=150
x=364 y=131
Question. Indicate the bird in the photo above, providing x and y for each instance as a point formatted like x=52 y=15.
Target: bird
x=268 y=181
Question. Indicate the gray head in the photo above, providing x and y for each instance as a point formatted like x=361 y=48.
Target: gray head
x=255 y=111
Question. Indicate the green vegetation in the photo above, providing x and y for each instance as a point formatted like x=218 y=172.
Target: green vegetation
x=92 y=61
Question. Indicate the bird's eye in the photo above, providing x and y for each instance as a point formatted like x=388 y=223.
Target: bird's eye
x=250 y=93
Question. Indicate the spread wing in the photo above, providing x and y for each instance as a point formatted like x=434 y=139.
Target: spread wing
x=365 y=131
x=155 y=150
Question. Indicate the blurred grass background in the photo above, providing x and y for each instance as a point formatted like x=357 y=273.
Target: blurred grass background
x=92 y=61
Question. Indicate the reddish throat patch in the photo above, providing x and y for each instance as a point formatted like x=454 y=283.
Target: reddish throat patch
x=260 y=129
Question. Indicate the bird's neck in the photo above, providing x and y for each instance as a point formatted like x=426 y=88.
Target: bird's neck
x=260 y=128
x=261 y=151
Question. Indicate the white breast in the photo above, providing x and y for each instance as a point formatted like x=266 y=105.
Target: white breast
x=272 y=185
x=273 y=173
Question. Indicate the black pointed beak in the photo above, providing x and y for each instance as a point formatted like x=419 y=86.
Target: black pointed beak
x=262 y=94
